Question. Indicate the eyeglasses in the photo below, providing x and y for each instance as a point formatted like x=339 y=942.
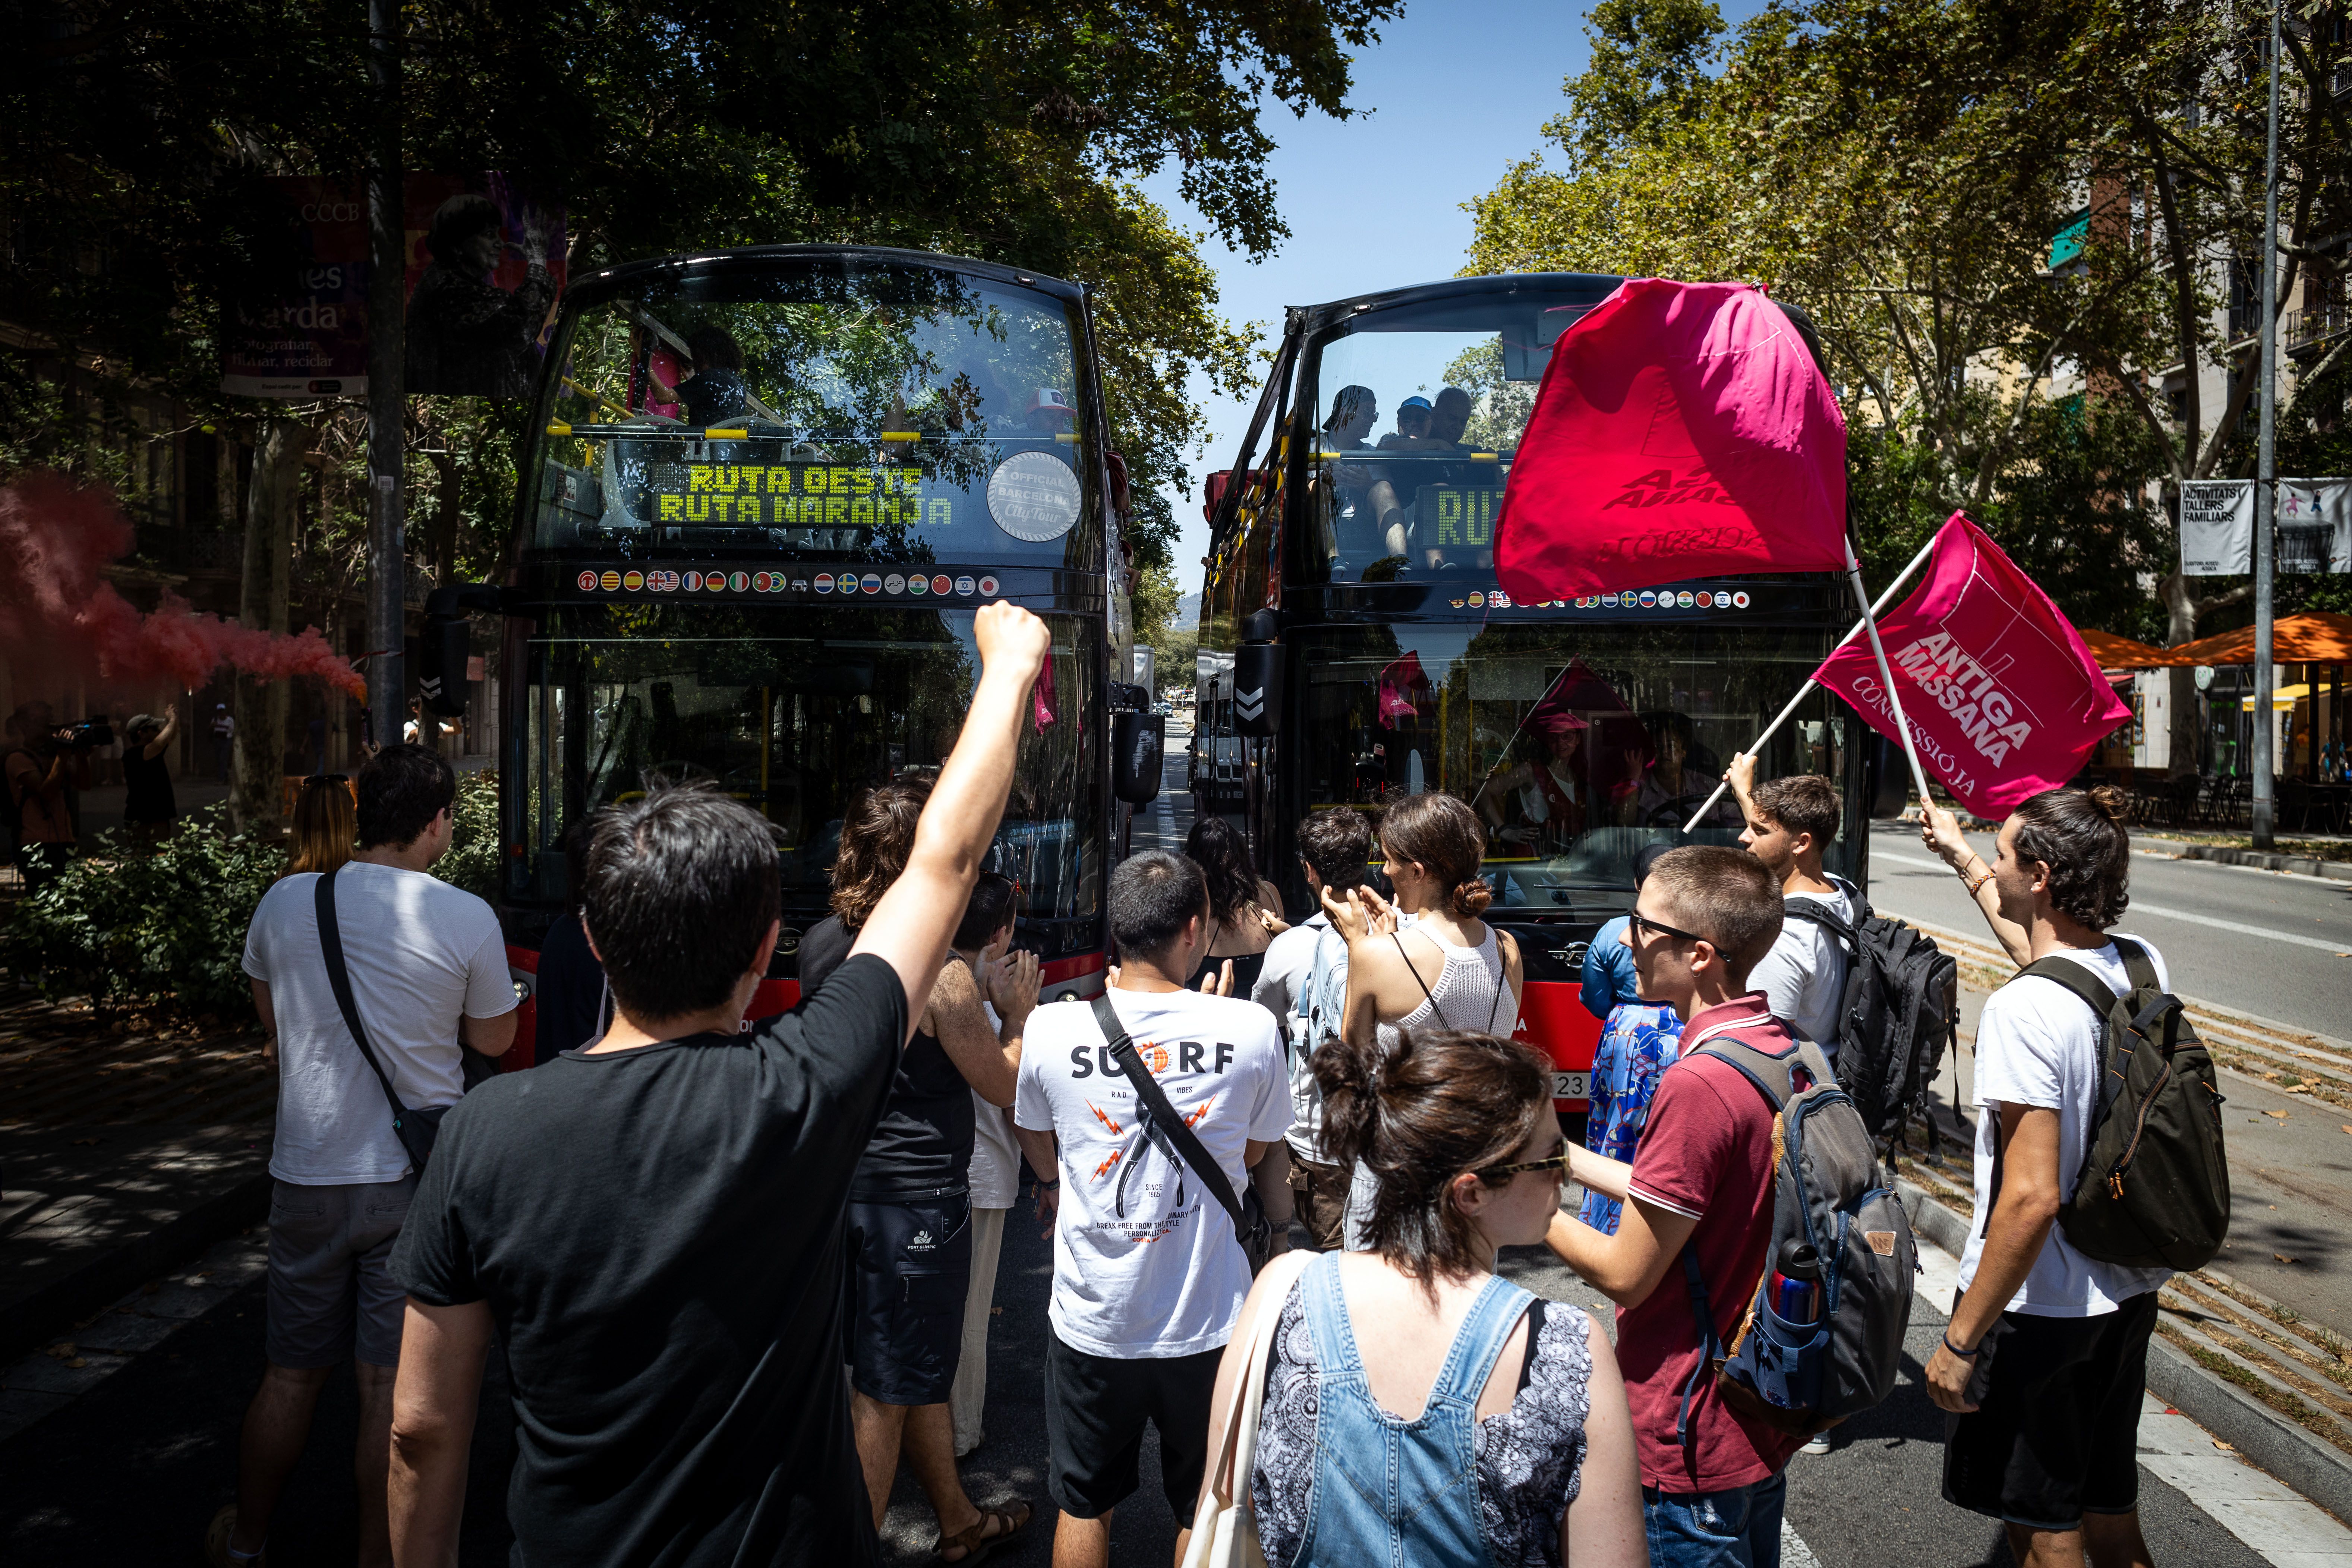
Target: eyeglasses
x=1639 y=923
x=1545 y=1164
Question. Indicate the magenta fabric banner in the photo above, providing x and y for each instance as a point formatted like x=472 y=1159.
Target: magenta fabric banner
x=1682 y=430
x=2003 y=698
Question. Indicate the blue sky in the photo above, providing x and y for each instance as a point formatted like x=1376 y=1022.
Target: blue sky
x=1456 y=92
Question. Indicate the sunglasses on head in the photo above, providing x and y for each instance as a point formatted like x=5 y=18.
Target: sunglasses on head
x=1639 y=923
x=325 y=779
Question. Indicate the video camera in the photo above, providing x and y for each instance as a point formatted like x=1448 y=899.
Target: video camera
x=86 y=736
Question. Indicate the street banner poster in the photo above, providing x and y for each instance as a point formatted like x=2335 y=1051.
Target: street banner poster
x=297 y=327
x=2217 y=527
x=486 y=264
x=2003 y=699
x=2314 y=525
x=1681 y=430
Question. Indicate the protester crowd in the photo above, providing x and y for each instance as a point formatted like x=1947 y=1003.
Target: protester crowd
x=740 y=1276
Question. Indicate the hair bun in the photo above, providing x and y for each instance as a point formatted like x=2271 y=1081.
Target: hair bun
x=1471 y=898
x=2112 y=801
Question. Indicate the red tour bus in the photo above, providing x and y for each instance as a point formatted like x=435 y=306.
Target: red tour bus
x=1355 y=645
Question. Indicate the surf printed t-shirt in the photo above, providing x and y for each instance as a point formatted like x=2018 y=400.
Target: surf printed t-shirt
x=1145 y=1263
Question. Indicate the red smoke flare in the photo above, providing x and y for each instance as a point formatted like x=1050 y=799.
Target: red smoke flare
x=56 y=603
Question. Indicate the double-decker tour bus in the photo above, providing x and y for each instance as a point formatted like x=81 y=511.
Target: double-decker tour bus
x=1355 y=645
x=766 y=492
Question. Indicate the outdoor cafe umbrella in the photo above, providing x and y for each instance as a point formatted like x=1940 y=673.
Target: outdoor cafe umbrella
x=2317 y=637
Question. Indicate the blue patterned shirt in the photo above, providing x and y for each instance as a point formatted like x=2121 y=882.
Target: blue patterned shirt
x=1640 y=1041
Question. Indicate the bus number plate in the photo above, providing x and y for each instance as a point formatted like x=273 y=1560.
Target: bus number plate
x=1568 y=1086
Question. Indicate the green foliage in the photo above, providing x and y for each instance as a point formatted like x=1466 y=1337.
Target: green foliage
x=476 y=849
x=123 y=924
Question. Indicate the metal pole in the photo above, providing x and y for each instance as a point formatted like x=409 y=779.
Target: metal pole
x=1885 y=598
x=2266 y=476
x=387 y=569
x=1878 y=652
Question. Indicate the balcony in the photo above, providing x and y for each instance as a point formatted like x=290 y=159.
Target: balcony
x=2302 y=329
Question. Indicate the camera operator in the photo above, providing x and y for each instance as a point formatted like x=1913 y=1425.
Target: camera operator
x=42 y=767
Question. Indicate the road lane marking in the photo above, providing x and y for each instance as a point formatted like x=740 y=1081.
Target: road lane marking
x=2274 y=1521
x=2163 y=912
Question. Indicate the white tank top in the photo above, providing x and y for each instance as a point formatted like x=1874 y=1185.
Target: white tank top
x=1470 y=993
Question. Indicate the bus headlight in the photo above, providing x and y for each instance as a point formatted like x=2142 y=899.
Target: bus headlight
x=1033 y=496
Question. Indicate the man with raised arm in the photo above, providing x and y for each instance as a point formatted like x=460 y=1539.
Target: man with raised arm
x=652 y=1225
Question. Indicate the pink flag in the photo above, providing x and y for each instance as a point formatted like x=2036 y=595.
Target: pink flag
x=2003 y=698
x=1040 y=696
x=1398 y=678
x=1682 y=430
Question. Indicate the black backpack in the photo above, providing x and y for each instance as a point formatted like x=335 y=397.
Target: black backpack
x=1900 y=1013
x=2154 y=1189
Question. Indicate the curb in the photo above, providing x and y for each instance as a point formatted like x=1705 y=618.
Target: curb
x=27 y=1321
x=2312 y=1469
x=2262 y=860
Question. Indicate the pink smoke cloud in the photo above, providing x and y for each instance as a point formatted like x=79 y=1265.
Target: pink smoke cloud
x=56 y=603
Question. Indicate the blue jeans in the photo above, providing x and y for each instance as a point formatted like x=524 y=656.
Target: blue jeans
x=1734 y=1529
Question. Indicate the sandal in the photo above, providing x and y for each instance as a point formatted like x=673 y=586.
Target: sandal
x=975 y=1540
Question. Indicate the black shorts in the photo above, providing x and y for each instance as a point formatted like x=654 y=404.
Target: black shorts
x=2055 y=1434
x=1095 y=1410
x=911 y=1265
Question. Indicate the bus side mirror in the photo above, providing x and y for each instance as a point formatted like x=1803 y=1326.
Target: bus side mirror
x=446 y=646
x=1137 y=740
x=1887 y=785
x=1257 y=688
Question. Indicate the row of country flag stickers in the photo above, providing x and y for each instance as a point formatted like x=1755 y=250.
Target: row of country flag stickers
x=1648 y=599
x=665 y=582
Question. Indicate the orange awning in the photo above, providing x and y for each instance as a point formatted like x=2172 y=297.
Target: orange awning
x=2319 y=636
x=2121 y=653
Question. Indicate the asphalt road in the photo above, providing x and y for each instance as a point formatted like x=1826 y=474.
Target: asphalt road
x=2264 y=942
x=2289 y=1155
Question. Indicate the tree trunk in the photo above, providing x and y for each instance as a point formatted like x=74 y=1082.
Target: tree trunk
x=2179 y=626
x=260 y=707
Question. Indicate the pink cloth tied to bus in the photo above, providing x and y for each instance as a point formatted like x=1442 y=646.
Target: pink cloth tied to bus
x=1397 y=680
x=1040 y=696
x=2003 y=698
x=1681 y=430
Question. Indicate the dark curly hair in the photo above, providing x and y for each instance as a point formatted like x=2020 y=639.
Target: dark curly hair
x=1217 y=847
x=1439 y=1102
x=877 y=835
x=2080 y=835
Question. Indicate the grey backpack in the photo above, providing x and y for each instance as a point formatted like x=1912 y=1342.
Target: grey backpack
x=1822 y=1336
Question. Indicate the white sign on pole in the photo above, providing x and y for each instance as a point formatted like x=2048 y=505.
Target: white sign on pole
x=2217 y=527
x=2314 y=525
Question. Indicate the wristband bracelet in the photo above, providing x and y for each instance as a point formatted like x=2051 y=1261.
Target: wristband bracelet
x=1964 y=1355
x=1975 y=885
x=1049 y=1186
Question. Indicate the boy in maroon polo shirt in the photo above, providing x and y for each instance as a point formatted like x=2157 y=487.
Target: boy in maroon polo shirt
x=1711 y=1485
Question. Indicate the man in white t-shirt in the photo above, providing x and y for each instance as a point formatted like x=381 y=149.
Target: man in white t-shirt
x=1792 y=821
x=428 y=968
x=2046 y=1436
x=1148 y=1275
x=1333 y=849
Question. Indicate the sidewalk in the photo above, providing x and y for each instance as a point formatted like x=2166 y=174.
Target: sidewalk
x=123 y=1152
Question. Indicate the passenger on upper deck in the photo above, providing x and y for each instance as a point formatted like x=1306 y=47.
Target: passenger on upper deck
x=1449 y=417
x=1411 y=434
x=1049 y=414
x=1367 y=528
x=713 y=391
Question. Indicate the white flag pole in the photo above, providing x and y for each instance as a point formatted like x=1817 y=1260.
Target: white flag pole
x=1878 y=652
x=1807 y=689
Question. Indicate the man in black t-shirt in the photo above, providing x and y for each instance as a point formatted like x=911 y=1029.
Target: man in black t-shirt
x=653 y=1226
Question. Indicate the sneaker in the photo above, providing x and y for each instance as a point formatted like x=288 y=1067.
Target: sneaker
x=217 y=1552
x=1819 y=1444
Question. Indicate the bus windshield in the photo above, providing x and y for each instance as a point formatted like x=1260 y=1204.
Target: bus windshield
x=1578 y=742
x=1416 y=414
x=796 y=715
x=821 y=408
